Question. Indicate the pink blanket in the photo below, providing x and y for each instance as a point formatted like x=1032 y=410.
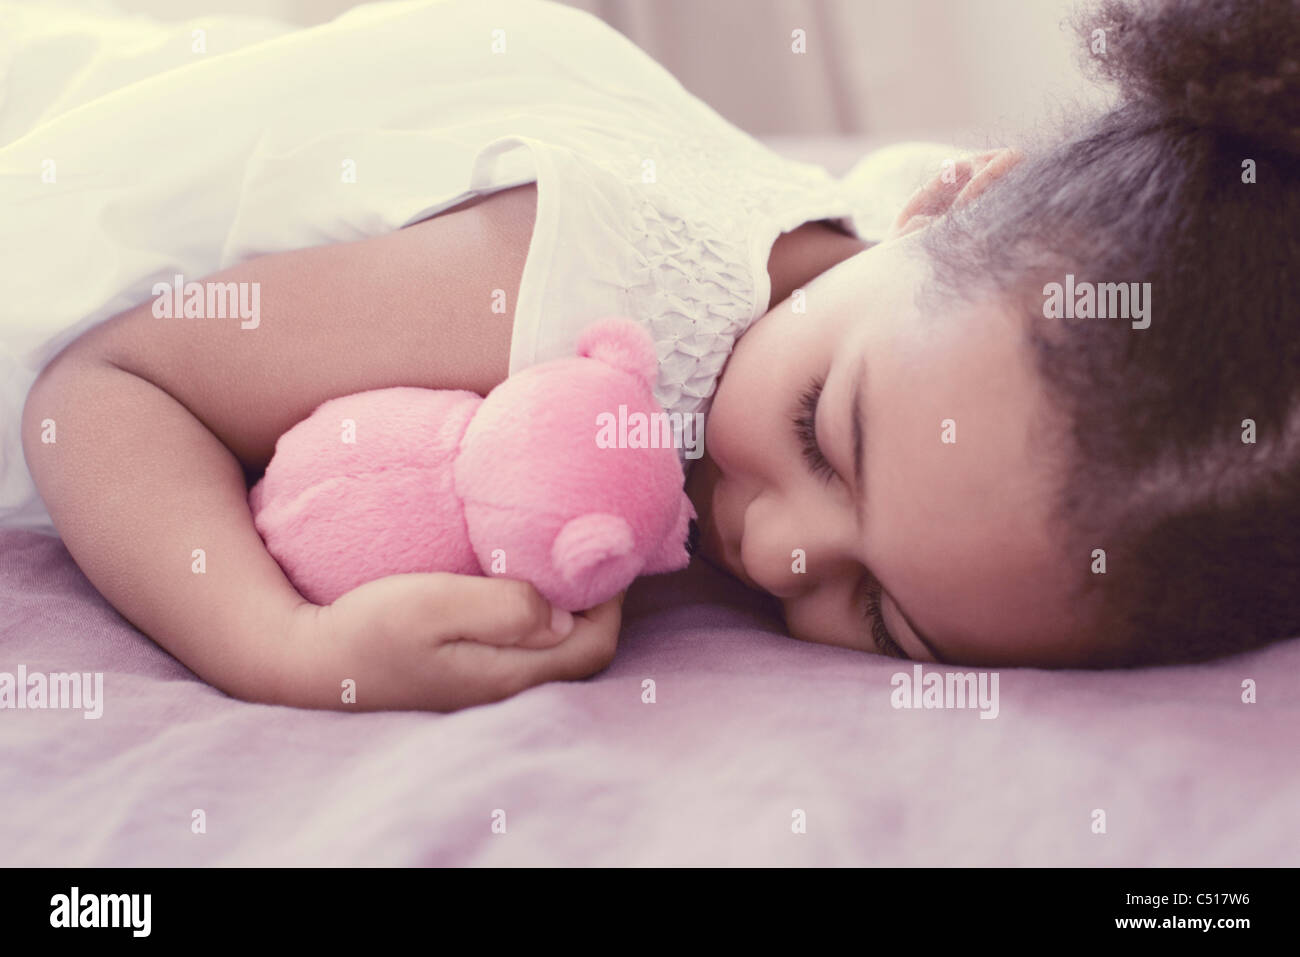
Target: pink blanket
x=756 y=750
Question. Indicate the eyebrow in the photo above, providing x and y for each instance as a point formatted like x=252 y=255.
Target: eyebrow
x=857 y=419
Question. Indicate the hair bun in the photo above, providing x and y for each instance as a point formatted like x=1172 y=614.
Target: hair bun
x=1227 y=65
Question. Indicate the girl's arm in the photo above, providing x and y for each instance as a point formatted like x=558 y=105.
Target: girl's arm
x=158 y=422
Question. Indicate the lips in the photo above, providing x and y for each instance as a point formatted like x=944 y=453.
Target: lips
x=712 y=508
x=711 y=546
x=725 y=553
x=737 y=568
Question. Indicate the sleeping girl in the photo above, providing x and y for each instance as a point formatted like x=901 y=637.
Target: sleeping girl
x=906 y=445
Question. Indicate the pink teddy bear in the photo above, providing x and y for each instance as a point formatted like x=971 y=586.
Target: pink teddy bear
x=514 y=484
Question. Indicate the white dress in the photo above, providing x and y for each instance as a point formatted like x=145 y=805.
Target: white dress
x=197 y=145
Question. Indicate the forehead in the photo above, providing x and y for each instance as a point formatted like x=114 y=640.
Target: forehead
x=963 y=470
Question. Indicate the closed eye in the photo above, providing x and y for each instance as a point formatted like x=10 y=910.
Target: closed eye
x=875 y=618
x=805 y=430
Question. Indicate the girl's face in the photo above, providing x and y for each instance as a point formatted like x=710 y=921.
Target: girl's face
x=911 y=511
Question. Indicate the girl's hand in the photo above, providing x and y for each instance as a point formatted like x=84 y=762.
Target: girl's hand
x=441 y=641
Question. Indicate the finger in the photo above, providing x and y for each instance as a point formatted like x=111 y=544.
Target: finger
x=505 y=612
x=497 y=672
x=587 y=651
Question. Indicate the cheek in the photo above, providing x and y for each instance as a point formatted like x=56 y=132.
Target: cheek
x=769 y=367
x=744 y=423
x=826 y=618
x=959 y=528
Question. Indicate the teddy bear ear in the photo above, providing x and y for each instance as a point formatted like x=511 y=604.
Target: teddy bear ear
x=622 y=343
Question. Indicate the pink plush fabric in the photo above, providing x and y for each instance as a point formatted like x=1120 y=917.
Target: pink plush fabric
x=516 y=485
x=336 y=514
x=747 y=725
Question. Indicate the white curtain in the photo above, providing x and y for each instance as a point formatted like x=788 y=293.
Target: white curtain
x=969 y=71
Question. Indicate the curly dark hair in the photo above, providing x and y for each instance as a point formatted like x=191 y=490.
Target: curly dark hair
x=1191 y=182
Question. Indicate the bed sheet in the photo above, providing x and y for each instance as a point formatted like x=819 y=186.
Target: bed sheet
x=756 y=750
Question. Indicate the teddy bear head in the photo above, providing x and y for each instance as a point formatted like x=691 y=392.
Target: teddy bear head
x=569 y=476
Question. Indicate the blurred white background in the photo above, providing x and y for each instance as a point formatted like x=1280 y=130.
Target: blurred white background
x=972 y=72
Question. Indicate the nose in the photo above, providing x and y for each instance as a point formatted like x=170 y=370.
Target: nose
x=793 y=552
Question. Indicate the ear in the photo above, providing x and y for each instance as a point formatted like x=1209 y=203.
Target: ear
x=622 y=343
x=957 y=183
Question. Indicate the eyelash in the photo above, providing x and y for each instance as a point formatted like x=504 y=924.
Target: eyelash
x=805 y=429
x=884 y=642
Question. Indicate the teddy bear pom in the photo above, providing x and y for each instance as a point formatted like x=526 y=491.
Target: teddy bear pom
x=622 y=344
